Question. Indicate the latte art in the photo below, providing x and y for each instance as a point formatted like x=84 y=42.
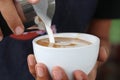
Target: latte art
x=63 y=42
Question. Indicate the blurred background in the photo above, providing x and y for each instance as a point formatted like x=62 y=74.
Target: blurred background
x=111 y=69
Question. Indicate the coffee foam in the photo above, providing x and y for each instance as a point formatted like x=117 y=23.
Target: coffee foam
x=70 y=44
x=63 y=42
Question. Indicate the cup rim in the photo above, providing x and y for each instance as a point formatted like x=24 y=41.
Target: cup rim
x=44 y=36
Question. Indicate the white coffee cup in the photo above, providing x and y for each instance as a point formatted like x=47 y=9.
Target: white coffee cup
x=70 y=59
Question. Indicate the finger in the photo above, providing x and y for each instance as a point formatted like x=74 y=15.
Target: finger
x=11 y=16
x=1 y=35
x=20 y=11
x=33 y=1
x=31 y=64
x=79 y=75
x=102 y=55
x=42 y=72
x=59 y=74
x=92 y=74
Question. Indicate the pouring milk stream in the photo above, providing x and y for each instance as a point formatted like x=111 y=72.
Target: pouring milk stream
x=41 y=10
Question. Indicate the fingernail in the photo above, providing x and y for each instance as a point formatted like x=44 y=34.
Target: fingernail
x=105 y=50
x=40 y=72
x=31 y=61
x=57 y=75
x=79 y=75
x=18 y=30
x=79 y=78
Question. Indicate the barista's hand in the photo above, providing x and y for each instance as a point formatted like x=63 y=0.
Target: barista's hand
x=8 y=9
x=101 y=59
x=40 y=71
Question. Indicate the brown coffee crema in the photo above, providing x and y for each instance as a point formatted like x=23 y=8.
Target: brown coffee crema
x=63 y=42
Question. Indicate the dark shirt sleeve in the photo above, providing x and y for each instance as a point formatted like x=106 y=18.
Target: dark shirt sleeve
x=13 y=59
x=4 y=75
x=108 y=9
